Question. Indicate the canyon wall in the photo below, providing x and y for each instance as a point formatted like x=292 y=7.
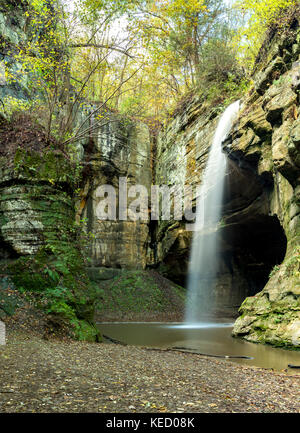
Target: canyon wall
x=266 y=136
x=120 y=150
x=182 y=152
x=258 y=255
x=260 y=228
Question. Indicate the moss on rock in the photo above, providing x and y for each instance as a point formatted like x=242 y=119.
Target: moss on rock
x=57 y=278
x=273 y=315
x=137 y=295
x=37 y=222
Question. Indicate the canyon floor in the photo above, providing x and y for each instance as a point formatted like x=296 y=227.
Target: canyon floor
x=39 y=375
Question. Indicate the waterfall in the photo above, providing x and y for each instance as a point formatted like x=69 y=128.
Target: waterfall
x=203 y=261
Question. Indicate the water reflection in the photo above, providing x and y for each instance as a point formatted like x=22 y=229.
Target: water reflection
x=206 y=338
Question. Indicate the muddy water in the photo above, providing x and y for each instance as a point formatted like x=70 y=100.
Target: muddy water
x=210 y=339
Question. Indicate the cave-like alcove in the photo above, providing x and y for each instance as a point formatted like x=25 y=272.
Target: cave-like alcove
x=252 y=248
x=252 y=239
x=268 y=250
x=7 y=252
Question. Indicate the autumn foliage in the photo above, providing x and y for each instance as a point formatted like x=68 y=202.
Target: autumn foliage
x=138 y=58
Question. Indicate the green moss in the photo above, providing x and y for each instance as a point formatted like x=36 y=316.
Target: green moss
x=9 y=302
x=292 y=264
x=56 y=274
x=274 y=270
x=86 y=331
x=270 y=328
x=51 y=166
x=83 y=330
x=60 y=285
x=138 y=292
x=3 y=220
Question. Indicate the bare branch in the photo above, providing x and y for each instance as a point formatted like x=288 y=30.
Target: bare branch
x=110 y=47
x=82 y=88
x=103 y=104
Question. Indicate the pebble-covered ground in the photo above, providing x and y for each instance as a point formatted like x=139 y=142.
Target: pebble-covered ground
x=39 y=375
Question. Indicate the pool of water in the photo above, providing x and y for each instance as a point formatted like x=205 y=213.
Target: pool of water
x=212 y=339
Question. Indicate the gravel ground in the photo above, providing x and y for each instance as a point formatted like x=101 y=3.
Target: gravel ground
x=39 y=375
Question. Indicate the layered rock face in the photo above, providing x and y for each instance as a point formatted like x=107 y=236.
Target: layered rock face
x=39 y=253
x=118 y=155
x=258 y=256
x=182 y=152
x=266 y=137
x=181 y=155
x=31 y=209
x=259 y=229
x=258 y=236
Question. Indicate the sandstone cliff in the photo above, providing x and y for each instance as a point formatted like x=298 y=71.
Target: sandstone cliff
x=266 y=136
x=120 y=150
x=258 y=255
x=258 y=258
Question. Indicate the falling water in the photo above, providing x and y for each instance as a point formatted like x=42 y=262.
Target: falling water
x=203 y=262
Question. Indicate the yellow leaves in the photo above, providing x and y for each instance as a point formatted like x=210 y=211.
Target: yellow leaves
x=189 y=8
x=262 y=14
x=41 y=7
x=148 y=404
x=10 y=105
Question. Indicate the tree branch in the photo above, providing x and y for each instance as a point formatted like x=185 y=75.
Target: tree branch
x=110 y=47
